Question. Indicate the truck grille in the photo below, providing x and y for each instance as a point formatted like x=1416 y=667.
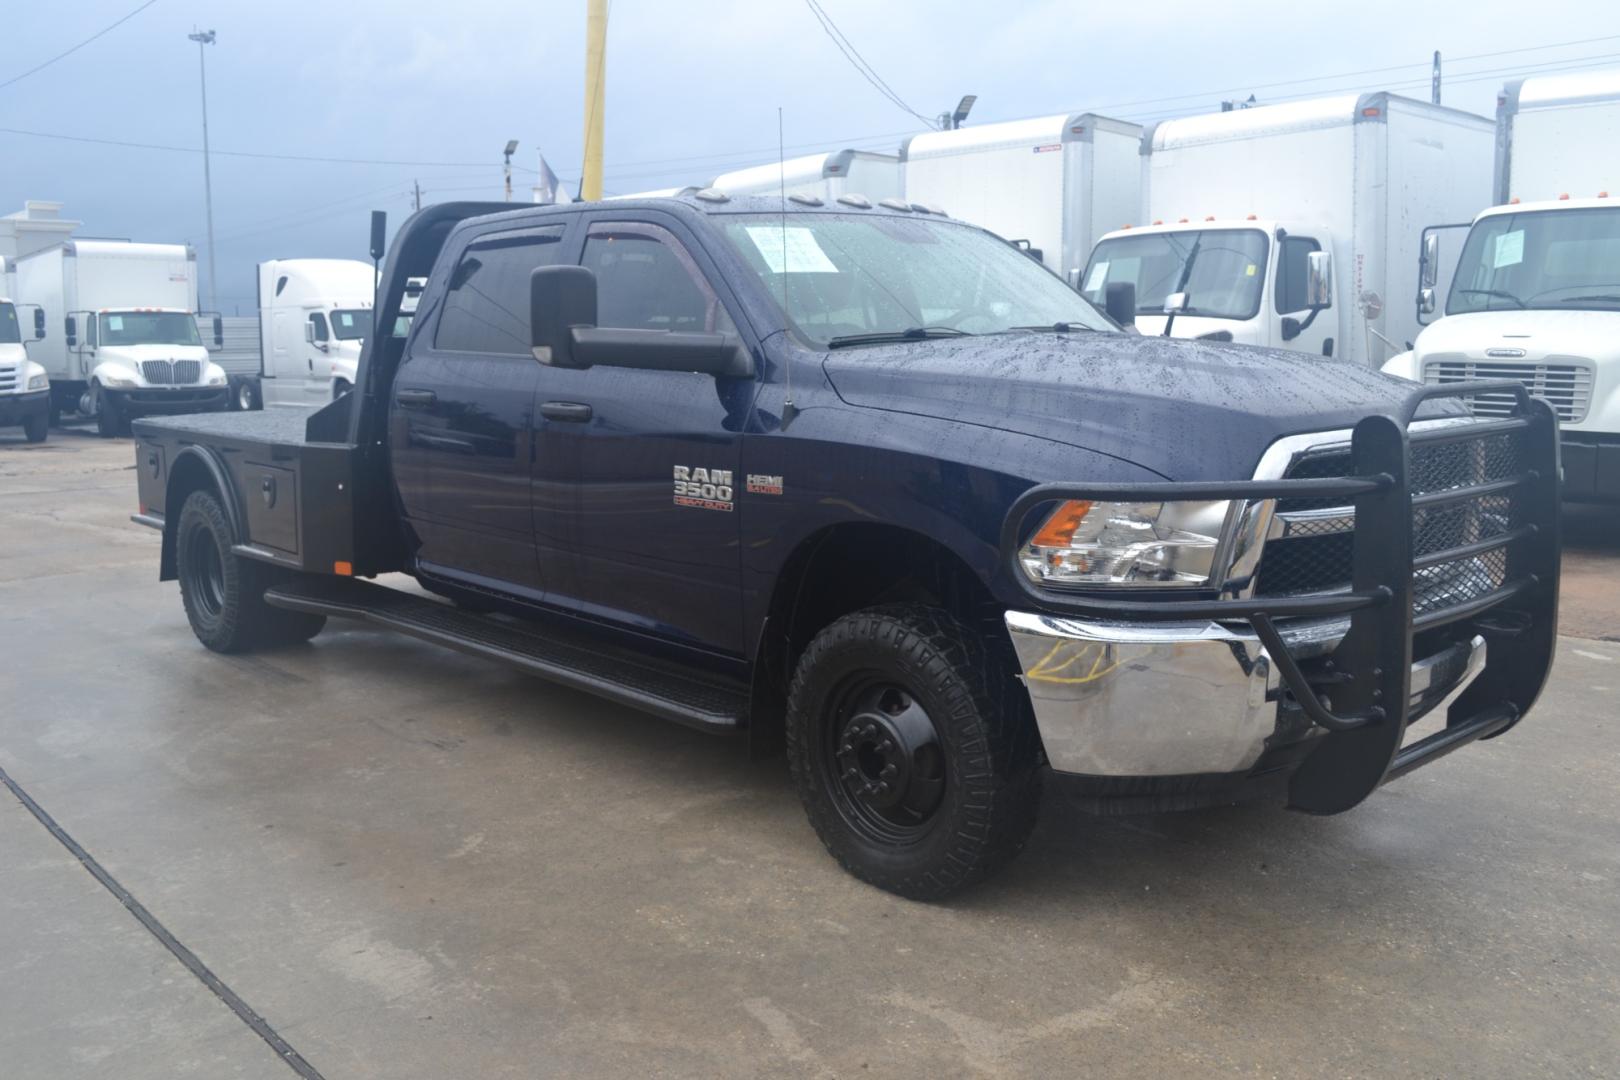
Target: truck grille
x=1564 y=382
x=1310 y=550
x=171 y=372
x=8 y=377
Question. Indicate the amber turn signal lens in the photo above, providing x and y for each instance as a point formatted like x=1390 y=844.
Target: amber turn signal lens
x=343 y=569
x=1059 y=528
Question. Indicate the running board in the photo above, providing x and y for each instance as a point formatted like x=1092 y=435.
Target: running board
x=570 y=658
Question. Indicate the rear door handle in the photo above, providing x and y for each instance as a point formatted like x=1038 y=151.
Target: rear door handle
x=571 y=411
x=415 y=399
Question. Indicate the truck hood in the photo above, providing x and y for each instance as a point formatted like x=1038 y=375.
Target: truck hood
x=1187 y=410
x=1594 y=335
x=134 y=354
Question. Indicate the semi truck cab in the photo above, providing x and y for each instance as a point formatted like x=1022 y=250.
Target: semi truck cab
x=1536 y=299
x=314 y=316
x=25 y=388
x=1250 y=281
x=143 y=362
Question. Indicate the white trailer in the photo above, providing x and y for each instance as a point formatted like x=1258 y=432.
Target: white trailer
x=1251 y=210
x=825 y=176
x=314 y=314
x=121 y=330
x=25 y=390
x=1536 y=292
x=1053 y=184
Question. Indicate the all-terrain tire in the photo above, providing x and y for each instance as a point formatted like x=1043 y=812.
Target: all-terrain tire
x=223 y=593
x=905 y=658
x=35 y=428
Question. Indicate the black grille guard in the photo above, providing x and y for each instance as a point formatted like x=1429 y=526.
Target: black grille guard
x=1371 y=707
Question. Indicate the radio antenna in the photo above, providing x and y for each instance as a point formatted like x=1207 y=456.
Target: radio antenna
x=789 y=410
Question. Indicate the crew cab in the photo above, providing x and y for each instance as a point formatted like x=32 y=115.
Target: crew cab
x=863 y=482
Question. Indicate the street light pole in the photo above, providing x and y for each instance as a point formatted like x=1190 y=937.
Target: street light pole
x=206 y=37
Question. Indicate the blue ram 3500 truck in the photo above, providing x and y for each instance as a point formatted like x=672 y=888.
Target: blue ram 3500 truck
x=868 y=483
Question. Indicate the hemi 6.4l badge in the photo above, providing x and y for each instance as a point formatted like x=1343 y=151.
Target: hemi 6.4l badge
x=764 y=484
x=703 y=489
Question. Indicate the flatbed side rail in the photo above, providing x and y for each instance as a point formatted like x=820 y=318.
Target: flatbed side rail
x=1370 y=706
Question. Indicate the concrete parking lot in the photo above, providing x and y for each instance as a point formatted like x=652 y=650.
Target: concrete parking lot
x=400 y=862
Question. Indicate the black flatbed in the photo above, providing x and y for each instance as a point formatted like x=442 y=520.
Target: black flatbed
x=287 y=427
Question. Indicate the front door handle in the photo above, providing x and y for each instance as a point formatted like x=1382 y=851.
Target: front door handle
x=415 y=399
x=571 y=411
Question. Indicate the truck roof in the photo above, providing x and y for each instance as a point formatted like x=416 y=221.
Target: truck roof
x=120 y=249
x=711 y=201
x=1262 y=120
x=1601 y=202
x=1552 y=91
x=1034 y=131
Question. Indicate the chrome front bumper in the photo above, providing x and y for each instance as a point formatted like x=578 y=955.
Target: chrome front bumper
x=1175 y=699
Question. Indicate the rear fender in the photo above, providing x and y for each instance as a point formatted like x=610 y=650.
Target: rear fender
x=196 y=468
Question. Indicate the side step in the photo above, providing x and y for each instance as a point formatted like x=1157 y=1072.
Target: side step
x=571 y=658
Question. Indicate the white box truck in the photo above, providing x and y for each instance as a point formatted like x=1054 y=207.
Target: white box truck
x=824 y=176
x=1252 y=210
x=1052 y=185
x=25 y=389
x=314 y=314
x=1536 y=292
x=121 y=330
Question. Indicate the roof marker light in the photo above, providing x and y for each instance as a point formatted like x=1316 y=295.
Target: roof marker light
x=710 y=194
x=1251 y=217
x=1513 y=201
x=859 y=202
x=1603 y=194
x=1370 y=111
x=1209 y=217
x=1158 y=221
x=805 y=200
x=1183 y=221
x=1564 y=197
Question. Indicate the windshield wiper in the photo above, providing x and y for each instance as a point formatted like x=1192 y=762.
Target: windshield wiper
x=1495 y=292
x=1611 y=297
x=1055 y=328
x=913 y=333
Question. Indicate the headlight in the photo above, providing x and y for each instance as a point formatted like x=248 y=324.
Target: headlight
x=1117 y=543
x=112 y=380
x=38 y=382
x=216 y=375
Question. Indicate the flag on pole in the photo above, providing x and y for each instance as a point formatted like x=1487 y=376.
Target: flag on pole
x=548 y=189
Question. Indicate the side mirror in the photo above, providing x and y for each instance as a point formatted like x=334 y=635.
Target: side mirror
x=379 y=233
x=71 y=325
x=1119 y=301
x=560 y=298
x=1426 y=300
x=1291 y=328
x=309 y=332
x=219 y=332
x=39 y=323
x=1431 y=262
x=1319 y=279
x=1175 y=303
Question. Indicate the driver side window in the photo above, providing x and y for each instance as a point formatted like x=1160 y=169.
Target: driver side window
x=646 y=281
x=318 y=321
x=90 y=324
x=1291 y=273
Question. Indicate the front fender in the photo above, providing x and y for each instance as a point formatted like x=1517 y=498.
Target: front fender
x=116 y=375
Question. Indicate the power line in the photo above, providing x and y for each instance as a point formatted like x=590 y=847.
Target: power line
x=76 y=48
x=246 y=153
x=858 y=62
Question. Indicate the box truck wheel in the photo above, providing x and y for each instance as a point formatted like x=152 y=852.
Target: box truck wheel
x=109 y=416
x=36 y=427
x=245 y=398
x=223 y=593
x=913 y=750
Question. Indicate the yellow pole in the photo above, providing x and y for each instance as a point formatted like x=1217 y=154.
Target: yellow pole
x=595 y=69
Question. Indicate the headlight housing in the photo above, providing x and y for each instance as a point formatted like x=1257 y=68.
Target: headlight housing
x=38 y=379
x=114 y=380
x=1083 y=544
x=216 y=375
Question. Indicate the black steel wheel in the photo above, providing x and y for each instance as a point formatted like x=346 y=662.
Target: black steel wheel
x=37 y=427
x=109 y=417
x=245 y=397
x=223 y=593
x=914 y=750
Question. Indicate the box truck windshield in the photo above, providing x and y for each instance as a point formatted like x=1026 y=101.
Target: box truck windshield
x=1222 y=271
x=350 y=324
x=1566 y=260
x=854 y=281
x=10 y=331
x=149 y=328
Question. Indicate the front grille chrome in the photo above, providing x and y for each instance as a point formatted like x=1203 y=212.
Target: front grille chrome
x=1564 y=382
x=171 y=372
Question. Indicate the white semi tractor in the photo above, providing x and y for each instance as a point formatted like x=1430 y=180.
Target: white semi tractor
x=1535 y=296
x=121 y=335
x=25 y=389
x=1052 y=185
x=823 y=176
x=1294 y=225
x=314 y=315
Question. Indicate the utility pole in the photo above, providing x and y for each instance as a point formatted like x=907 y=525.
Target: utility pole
x=590 y=183
x=202 y=38
x=511 y=148
x=1434 y=83
x=416 y=194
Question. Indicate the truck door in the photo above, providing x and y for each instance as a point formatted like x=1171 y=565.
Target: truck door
x=1289 y=296
x=460 y=422
x=280 y=364
x=636 y=471
x=312 y=377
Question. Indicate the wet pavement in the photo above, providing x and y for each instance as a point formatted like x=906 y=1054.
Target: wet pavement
x=413 y=864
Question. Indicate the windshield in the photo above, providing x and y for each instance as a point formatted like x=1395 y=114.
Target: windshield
x=149 y=328
x=10 y=332
x=350 y=324
x=1557 y=259
x=843 y=276
x=1222 y=271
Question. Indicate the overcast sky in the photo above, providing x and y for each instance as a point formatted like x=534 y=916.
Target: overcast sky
x=692 y=90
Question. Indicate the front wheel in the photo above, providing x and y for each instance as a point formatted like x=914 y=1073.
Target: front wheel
x=223 y=593
x=109 y=417
x=913 y=750
x=36 y=427
x=245 y=397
